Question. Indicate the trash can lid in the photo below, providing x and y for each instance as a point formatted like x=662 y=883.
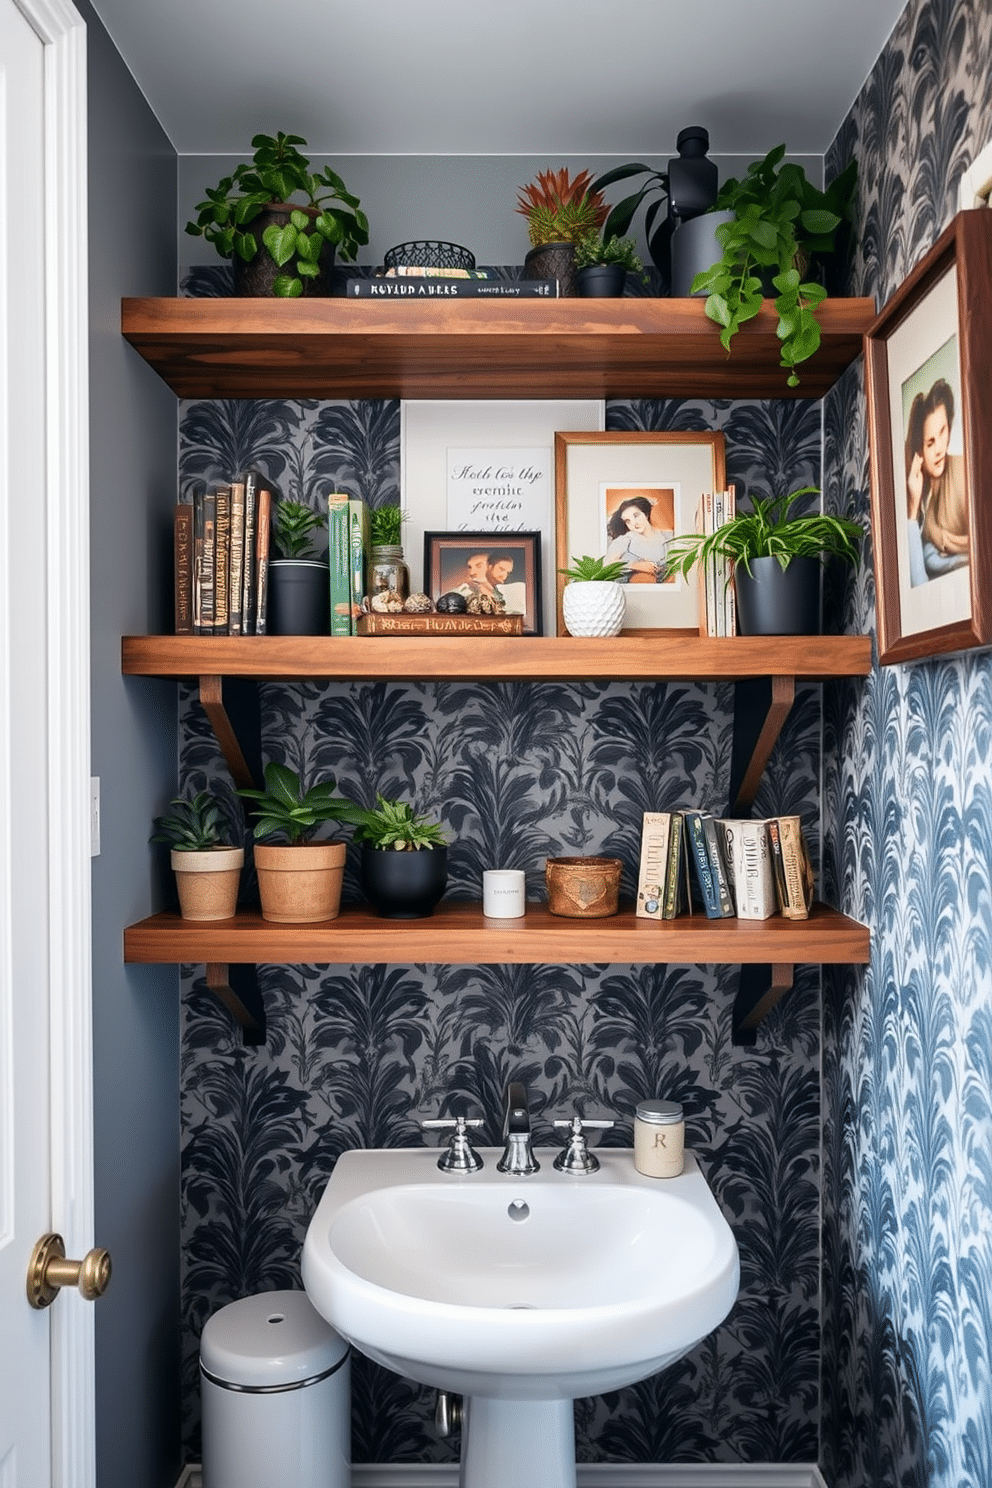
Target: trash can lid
x=273 y=1338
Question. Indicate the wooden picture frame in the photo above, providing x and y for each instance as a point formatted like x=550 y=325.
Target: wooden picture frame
x=597 y=474
x=928 y=376
x=449 y=566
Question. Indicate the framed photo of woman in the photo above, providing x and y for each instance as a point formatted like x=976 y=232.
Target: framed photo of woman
x=624 y=496
x=928 y=369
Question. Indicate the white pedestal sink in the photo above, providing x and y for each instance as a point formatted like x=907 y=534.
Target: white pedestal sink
x=520 y=1294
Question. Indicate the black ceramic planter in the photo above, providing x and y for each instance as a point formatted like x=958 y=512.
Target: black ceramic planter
x=553 y=261
x=695 y=248
x=772 y=600
x=404 y=885
x=299 y=600
x=254 y=280
x=601 y=281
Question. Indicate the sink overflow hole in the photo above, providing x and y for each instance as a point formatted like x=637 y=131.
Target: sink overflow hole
x=518 y=1210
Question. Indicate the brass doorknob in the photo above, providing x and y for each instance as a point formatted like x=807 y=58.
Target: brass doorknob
x=48 y=1270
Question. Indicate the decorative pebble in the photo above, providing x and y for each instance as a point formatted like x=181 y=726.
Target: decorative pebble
x=451 y=604
x=484 y=604
x=419 y=604
x=387 y=602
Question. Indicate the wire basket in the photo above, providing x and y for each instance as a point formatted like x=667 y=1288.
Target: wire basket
x=428 y=254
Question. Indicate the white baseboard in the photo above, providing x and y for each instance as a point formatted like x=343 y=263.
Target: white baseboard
x=589 y=1475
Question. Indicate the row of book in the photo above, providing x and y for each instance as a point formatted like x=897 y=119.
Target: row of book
x=717 y=601
x=730 y=866
x=221 y=553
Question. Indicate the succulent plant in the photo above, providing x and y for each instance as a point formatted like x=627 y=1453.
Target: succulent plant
x=560 y=209
x=592 y=249
x=394 y=824
x=587 y=570
x=293 y=526
x=192 y=825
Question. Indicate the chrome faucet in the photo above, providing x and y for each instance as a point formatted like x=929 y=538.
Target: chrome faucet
x=518 y=1157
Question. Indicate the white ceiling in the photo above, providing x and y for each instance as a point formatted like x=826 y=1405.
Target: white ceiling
x=521 y=77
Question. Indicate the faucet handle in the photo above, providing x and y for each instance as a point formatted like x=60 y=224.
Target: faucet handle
x=459 y=1156
x=576 y=1157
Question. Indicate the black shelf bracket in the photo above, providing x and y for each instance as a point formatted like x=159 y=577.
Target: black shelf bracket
x=237 y=988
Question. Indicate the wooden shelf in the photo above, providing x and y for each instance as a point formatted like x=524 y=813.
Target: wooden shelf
x=569 y=348
x=459 y=934
x=666 y=656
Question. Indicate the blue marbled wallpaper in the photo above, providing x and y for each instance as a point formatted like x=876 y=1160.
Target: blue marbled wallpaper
x=907 y=1049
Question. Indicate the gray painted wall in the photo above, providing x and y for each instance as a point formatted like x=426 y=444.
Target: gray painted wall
x=467 y=199
x=133 y=420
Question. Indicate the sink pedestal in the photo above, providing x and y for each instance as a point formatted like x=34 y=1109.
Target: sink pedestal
x=517 y=1441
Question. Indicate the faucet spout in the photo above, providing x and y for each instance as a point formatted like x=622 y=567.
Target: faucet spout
x=518 y=1157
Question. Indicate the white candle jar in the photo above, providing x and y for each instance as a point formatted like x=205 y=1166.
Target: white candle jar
x=504 y=893
x=659 y=1139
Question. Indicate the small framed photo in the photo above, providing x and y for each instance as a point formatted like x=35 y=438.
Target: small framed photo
x=504 y=565
x=625 y=496
x=928 y=370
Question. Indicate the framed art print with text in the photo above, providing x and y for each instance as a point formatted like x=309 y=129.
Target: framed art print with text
x=928 y=371
x=625 y=495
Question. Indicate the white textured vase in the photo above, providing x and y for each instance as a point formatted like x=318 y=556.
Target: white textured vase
x=592 y=607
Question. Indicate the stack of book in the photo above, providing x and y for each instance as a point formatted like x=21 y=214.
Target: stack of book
x=717 y=601
x=750 y=869
x=221 y=548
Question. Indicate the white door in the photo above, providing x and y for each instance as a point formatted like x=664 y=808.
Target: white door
x=46 y=1357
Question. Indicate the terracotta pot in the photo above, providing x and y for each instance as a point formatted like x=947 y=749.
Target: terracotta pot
x=208 y=882
x=583 y=888
x=300 y=884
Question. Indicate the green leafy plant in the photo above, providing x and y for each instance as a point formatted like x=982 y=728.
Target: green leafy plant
x=193 y=824
x=592 y=249
x=278 y=173
x=284 y=809
x=767 y=531
x=293 y=526
x=394 y=824
x=560 y=209
x=653 y=191
x=385 y=525
x=587 y=570
x=781 y=222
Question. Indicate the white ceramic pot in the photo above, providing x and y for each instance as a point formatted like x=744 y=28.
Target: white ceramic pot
x=593 y=608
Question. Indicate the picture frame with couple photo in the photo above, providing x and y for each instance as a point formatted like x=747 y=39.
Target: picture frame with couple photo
x=504 y=565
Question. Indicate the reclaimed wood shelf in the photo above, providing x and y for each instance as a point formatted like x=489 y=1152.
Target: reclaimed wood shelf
x=459 y=934
x=666 y=656
x=567 y=348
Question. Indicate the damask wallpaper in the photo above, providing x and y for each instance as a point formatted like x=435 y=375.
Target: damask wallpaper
x=357 y=1055
x=907 y=1048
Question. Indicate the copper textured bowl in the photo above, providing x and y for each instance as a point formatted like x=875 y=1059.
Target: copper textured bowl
x=583 y=888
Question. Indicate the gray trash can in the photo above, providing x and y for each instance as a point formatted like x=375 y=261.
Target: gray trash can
x=275 y=1384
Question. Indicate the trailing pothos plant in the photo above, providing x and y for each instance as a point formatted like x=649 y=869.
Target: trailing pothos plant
x=394 y=824
x=276 y=175
x=768 y=531
x=781 y=223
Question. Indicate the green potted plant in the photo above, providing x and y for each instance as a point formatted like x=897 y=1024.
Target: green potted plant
x=603 y=263
x=404 y=858
x=779 y=223
x=386 y=567
x=592 y=602
x=299 y=579
x=299 y=880
x=775 y=561
x=559 y=210
x=278 y=244
x=207 y=869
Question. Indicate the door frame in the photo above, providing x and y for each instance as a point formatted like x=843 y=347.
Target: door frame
x=67 y=641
